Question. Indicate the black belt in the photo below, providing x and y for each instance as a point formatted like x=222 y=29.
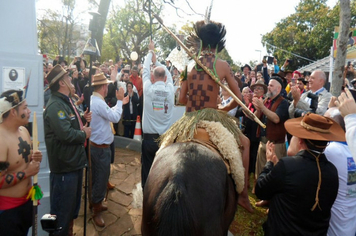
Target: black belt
x=99 y=145
x=150 y=136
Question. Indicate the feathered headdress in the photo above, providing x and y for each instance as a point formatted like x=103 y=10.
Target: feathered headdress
x=206 y=34
x=9 y=100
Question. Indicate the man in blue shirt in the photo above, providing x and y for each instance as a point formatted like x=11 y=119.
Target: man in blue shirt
x=101 y=137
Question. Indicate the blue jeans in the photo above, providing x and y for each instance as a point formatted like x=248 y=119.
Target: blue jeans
x=65 y=195
x=129 y=129
x=100 y=169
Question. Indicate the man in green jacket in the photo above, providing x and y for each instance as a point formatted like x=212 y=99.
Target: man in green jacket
x=65 y=138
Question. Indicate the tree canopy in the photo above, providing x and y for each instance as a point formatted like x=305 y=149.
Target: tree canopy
x=59 y=33
x=307 y=33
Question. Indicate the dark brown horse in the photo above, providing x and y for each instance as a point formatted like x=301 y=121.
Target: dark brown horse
x=188 y=192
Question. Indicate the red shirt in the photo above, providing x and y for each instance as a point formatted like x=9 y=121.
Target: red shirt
x=137 y=81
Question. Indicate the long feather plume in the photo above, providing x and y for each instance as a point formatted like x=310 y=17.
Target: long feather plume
x=208 y=13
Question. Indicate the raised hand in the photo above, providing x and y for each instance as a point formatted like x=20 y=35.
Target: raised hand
x=120 y=94
x=346 y=103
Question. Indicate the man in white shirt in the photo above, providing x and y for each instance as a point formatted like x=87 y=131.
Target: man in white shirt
x=343 y=211
x=304 y=103
x=100 y=140
x=158 y=97
x=347 y=107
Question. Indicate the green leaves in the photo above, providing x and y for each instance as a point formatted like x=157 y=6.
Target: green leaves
x=308 y=32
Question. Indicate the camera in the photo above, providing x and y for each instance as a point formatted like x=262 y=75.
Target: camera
x=259 y=67
x=268 y=59
x=49 y=223
x=290 y=61
x=314 y=101
x=313 y=105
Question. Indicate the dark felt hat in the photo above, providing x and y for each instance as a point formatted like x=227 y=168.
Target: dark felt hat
x=55 y=74
x=303 y=80
x=259 y=83
x=287 y=72
x=279 y=78
x=246 y=65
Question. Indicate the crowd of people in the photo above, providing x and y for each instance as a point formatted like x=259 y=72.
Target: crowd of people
x=301 y=156
x=302 y=166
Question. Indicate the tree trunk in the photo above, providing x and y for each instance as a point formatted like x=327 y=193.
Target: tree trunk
x=339 y=66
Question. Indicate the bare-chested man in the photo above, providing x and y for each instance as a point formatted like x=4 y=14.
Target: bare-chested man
x=16 y=150
x=199 y=92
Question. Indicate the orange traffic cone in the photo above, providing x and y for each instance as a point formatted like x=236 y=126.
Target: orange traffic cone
x=138 y=131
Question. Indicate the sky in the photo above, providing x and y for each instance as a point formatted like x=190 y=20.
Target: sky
x=245 y=21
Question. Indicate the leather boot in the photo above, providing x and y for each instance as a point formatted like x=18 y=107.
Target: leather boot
x=97 y=218
x=110 y=186
x=103 y=207
x=70 y=230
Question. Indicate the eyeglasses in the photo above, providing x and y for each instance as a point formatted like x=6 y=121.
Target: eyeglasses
x=258 y=88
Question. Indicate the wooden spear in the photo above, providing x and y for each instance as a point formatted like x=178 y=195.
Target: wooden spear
x=36 y=192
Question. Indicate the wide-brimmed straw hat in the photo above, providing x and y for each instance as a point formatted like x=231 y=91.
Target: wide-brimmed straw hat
x=55 y=74
x=9 y=100
x=100 y=79
x=259 y=83
x=315 y=127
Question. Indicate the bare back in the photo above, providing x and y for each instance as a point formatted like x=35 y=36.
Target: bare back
x=16 y=149
x=202 y=90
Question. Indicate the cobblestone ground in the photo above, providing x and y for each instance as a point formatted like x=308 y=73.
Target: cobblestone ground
x=121 y=218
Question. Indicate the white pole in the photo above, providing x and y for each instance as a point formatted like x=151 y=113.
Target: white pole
x=331 y=67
